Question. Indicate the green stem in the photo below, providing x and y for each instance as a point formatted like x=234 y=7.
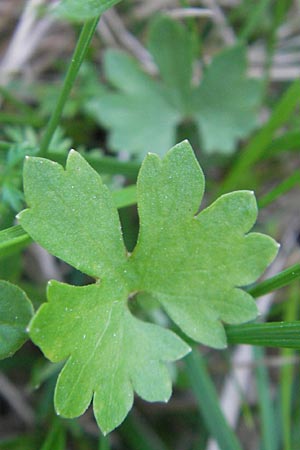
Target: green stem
x=14 y=119
x=81 y=49
x=269 y=432
x=255 y=149
x=12 y=240
x=280 y=190
x=270 y=334
x=208 y=402
x=278 y=281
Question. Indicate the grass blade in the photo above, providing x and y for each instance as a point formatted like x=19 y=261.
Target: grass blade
x=255 y=149
x=12 y=240
x=56 y=437
x=287 y=371
x=208 y=403
x=268 y=430
x=280 y=190
x=289 y=141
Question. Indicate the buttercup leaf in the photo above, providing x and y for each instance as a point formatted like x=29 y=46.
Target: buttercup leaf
x=140 y=104
x=194 y=264
x=143 y=114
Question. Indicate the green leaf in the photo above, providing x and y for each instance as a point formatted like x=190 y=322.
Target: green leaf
x=192 y=264
x=73 y=215
x=15 y=312
x=79 y=10
x=138 y=114
x=103 y=338
x=172 y=49
x=226 y=102
x=143 y=114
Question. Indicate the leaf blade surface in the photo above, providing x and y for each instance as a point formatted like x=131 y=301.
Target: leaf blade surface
x=193 y=263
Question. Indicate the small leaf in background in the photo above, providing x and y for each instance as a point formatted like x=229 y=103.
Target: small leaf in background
x=143 y=114
x=15 y=312
x=173 y=51
x=226 y=101
x=192 y=264
x=138 y=113
x=79 y=10
x=25 y=141
x=12 y=197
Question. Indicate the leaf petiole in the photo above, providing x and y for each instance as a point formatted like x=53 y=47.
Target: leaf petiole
x=278 y=281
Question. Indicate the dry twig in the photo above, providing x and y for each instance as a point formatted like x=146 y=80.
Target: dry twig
x=16 y=400
x=26 y=39
x=128 y=40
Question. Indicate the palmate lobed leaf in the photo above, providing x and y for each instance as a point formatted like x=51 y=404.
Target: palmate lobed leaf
x=139 y=106
x=136 y=108
x=15 y=313
x=193 y=264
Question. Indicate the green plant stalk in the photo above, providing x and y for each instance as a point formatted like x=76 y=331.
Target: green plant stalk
x=12 y=240
x=81 y=49
x=278 y=281
x=56 y=438
x=280 y=190
x=103 y=443
x=27 y=119
x=268 y=430
x=287 y=371
x=257 y=146
x=271 y=334
x=257 y=13
x=208 y=402
x=289 y=141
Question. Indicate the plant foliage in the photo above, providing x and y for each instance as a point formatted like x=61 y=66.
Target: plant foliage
x=191 y=263
x=15 y=311
x=143 y=114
